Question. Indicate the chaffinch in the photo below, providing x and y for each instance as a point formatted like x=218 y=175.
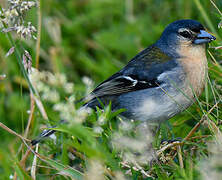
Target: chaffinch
x=163 y=79
x=159 y=82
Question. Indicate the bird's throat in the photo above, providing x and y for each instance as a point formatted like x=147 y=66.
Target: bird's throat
x=194 y=62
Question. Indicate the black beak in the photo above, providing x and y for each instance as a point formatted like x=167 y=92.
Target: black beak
x=204 y=37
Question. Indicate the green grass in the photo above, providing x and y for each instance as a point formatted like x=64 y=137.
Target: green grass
x=96 y=38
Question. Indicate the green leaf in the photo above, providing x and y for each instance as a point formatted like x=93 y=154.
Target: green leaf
x=22 y=174
x=67 y=170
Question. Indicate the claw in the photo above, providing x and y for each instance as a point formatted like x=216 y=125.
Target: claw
x=171 y=140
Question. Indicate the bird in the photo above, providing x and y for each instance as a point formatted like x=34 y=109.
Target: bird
x=163 y=79
x=159 y=82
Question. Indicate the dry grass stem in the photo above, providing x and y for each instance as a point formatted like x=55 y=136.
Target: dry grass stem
x=41 y=108
x=24 y=158
x=142 y=170
x=38 y=35
x=216 y=7
x=34 y=163
x=213 y=58
x=164 y=148
x=200 y=137
x=32 y=108
x=199 y=123
x=216 y=131
x=217 y=47
x=137 y=167
x=179 y=152
x=13 y=132
x=194 y=129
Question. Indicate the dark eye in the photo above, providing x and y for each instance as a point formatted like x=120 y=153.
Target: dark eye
x=185 y=34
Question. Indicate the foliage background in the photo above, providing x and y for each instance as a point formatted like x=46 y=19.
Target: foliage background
x=95 y=38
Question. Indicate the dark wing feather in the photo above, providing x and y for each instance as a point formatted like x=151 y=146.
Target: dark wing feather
x=140 y=73
x=122 y=84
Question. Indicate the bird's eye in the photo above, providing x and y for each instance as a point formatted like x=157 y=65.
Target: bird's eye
x=185 y=34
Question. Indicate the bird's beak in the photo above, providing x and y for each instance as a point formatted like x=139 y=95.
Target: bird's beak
x=204 y=37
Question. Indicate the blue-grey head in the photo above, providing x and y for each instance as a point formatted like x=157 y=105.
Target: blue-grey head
x=185 y=32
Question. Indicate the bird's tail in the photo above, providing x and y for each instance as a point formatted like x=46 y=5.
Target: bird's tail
x=46 y=133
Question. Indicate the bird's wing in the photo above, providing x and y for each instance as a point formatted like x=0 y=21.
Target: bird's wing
x=141 y=73
x=120 y=84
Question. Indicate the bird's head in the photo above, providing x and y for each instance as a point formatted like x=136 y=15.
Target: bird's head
x=183 y=33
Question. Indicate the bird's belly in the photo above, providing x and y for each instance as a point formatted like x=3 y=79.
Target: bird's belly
x=155 y=105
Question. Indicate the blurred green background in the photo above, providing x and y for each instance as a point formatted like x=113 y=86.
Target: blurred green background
x=93 y=38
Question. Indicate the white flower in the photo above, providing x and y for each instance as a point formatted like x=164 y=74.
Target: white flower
x=98 y=129
x=69 y=88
